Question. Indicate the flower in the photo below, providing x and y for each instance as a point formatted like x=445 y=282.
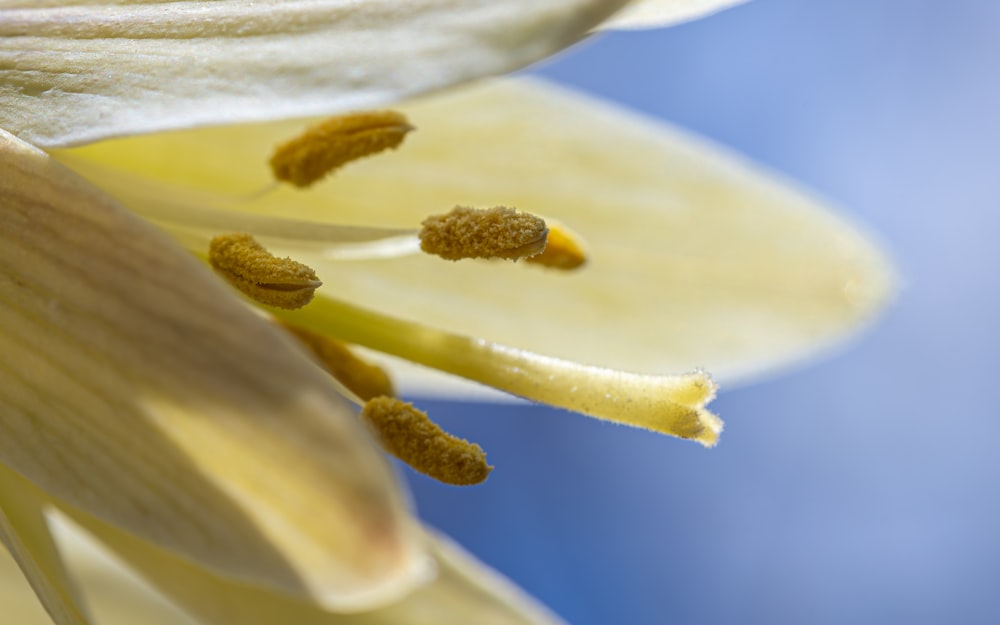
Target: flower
x=194 y=438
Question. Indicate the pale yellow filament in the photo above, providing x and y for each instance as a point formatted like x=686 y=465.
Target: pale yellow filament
x=364 y=379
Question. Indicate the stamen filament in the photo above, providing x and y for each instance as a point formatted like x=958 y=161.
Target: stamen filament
x=668 y=404
x=193 y=216
x=563 y=250
x=365 y=380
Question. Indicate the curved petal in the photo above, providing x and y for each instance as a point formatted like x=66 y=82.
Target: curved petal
x=115 y=595
x=25 y=533
x=463 y=591
x=658 y=13
x=697 y=258
x=134 y=385
x=74 y=71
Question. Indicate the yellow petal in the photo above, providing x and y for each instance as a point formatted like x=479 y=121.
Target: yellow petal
x=134 y=385
x=74 y=71
x=25 y=533
x=657 y=13
x=698 y=259
x=463 y=592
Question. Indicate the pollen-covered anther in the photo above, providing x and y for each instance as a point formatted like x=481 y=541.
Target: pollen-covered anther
x=498 y=232
x=265 y=278
x=563 y=250
x=411 y=436
x=330 y=144
x=364 y=379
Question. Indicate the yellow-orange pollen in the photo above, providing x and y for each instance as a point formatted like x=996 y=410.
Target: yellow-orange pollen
x=265 y=278
x=563 y=250
x=498 y=232
x=411 y=436
x=364 y=379
x=326 y=146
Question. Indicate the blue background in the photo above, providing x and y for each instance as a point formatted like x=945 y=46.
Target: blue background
x=862 y=489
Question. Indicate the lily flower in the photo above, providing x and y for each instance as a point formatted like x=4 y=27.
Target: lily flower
x=195 y=437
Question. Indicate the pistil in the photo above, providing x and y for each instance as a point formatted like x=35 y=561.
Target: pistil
x=669 y=404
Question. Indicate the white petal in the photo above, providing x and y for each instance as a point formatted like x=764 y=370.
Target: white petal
x=25 y=534
x=134 y=385
x=73 y=72
x=657 y=13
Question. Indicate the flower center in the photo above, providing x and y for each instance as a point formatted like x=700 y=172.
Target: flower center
x=668 y=404
x=462 y=233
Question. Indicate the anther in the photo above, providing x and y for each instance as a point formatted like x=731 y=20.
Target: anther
x=411 y=436
x=364 y=379
x=267 y=279
x=498 y=232
x=324 y=147
x=563 y=250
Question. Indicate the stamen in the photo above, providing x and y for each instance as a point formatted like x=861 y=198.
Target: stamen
x=411 y=436
x=563 y=250
x=364 y=379
x=280 y=282
x=335 y=142
x=498 y=232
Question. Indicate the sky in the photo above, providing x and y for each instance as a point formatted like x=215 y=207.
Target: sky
x=859 y=489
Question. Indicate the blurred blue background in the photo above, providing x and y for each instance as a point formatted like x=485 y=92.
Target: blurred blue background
x=861 y=489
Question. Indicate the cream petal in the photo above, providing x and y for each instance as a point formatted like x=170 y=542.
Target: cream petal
x=463 y=591
x=135 y=386
x=115 y=595
x=25 y=534
x=78 y=71
x=658 y=13
x=698 y=258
